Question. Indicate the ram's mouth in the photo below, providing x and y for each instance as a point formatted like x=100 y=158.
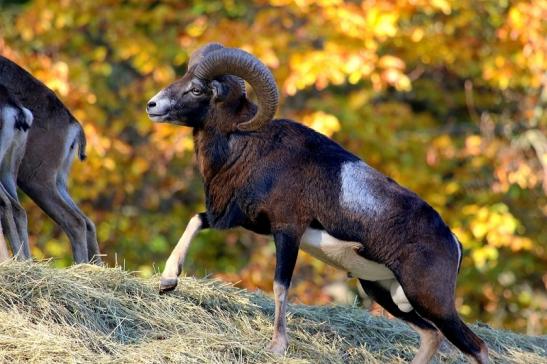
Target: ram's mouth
x=158 y=117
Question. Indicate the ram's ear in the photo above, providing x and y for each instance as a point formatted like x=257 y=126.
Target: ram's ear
x=220 y=91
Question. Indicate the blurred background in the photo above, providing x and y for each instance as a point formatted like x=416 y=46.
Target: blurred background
x=445 y=96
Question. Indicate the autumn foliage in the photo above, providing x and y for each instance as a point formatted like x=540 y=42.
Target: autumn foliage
x=447 y=97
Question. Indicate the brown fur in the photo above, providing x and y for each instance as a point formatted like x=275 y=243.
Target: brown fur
x=285 y=177
x=52 y=143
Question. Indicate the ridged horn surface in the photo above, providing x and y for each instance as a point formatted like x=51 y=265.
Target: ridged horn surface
x=236 y=62
x=202 y=52
x=199 y=54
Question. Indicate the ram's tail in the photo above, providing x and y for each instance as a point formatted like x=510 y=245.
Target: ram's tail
x=82 y=142
x=459 y=246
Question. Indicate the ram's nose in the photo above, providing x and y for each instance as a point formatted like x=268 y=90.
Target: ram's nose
x=158 y=107
x=159 y=104
x=151 y=105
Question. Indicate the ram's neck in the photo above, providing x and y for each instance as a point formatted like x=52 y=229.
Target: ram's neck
x=211 y=142
x=211 y=147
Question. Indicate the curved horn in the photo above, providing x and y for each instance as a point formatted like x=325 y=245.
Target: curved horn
x=202 y=52
x=232 y=61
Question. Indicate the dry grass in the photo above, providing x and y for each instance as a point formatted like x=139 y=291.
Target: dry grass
x=102 y=315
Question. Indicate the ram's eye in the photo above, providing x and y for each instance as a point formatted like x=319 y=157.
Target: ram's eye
x=196 y=91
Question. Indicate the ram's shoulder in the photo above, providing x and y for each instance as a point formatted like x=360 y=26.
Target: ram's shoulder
x=306 y=142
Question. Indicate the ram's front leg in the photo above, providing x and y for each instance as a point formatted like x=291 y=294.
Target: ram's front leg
x=173 y=266
x=286 y=246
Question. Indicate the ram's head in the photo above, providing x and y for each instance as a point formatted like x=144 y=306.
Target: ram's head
x=215 y=74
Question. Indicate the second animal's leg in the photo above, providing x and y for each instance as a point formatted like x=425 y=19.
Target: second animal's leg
x=4 y=254
x=8 y=223
x=286 y=253
x=47 y=196
x=93 y=252
x=19 y=216
x=21 y=224
x=430 y=337
x=173 y=266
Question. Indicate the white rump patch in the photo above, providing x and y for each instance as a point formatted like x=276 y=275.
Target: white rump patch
x=71 y=141
x=342 y=255
x=8 y=117
x=354 y=195
x=19 y=141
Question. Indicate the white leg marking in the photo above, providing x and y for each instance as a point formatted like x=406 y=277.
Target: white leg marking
x=398 y=296
x=279 y=340
x=28 y=116
x=429 y=344
x=4 y=254
x=173 y=266
x=483 y=357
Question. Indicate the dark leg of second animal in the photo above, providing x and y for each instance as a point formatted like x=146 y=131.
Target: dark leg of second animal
x=47 y=196
x=8 y=223
x=91 y=233
x=430 y=337
x=22 y=249
x=4 y=254
x=21 y=223
x=61 y=185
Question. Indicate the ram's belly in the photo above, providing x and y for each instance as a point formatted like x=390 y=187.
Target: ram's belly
x=341 y=254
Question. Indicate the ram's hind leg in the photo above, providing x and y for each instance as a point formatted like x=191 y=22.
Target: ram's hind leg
x=286 y=252
x=429 y=285
x=430 y=337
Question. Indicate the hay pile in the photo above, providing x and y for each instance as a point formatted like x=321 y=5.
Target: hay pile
x=102 y=315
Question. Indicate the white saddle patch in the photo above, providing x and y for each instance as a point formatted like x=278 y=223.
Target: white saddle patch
x=341 y=254
x=355 y=192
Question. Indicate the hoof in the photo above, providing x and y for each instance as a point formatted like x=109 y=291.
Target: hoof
x=278 y=347
x=96 y=260
x=168 y=284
